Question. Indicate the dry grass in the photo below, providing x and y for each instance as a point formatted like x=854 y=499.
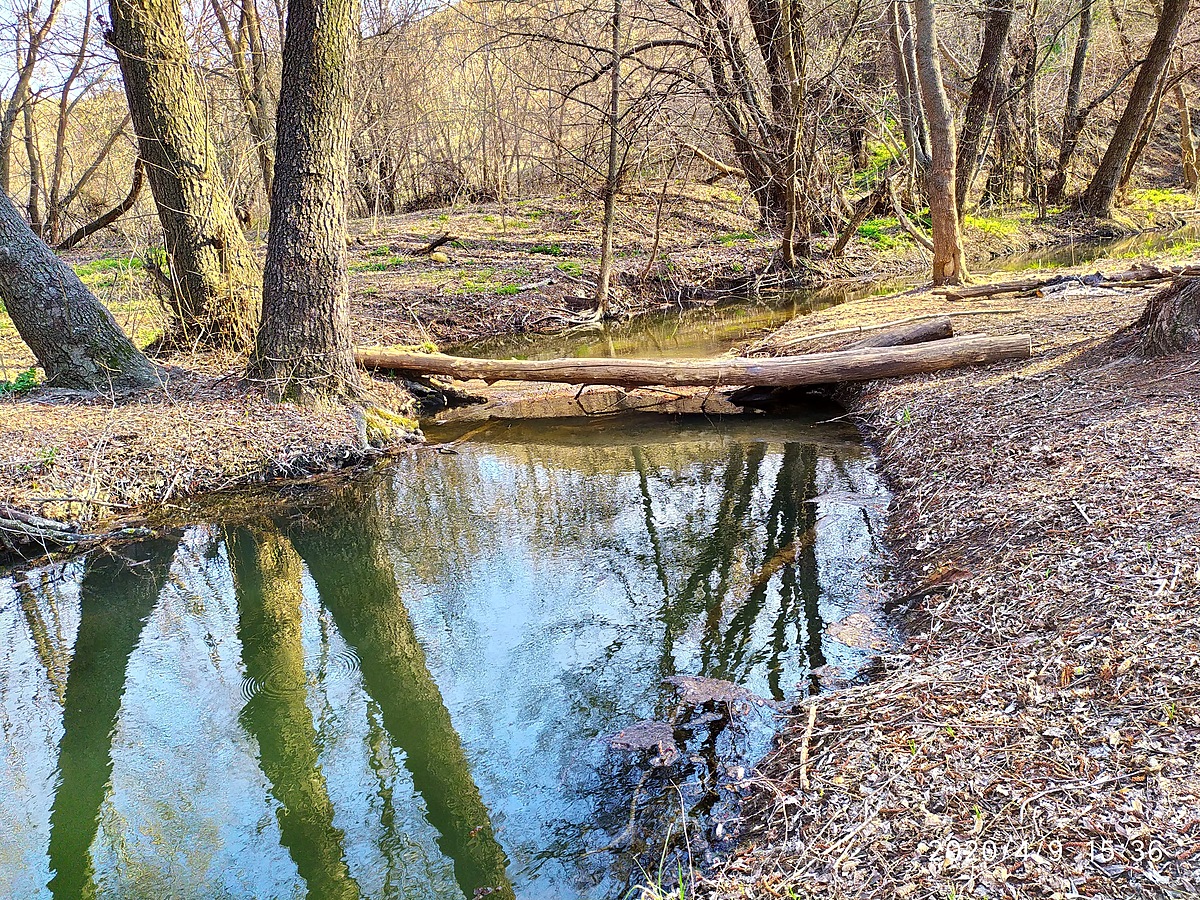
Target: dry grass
x=81 y=459
x=1039 y=735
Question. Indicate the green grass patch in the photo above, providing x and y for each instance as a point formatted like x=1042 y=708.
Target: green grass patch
x=508 y=289
x=25 y=381
x=881 y=233
x=993 y=226
x=1171 y=198
x=547 y=249
x=733 y=237
x=879 y=157
x=570 y=267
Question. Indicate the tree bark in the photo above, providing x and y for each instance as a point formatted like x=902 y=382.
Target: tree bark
x=982 y=99
x=1072 y=118
x=213 y=271
x=612 y=174
x=75 y=339
x=1171 y=320
x=1097 y=199
x=948 y=264
x=1002 y=177
x=1187 y=140
x=781 y=371
x=304 y=350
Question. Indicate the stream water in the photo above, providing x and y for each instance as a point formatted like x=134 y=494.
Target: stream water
x=404 y=687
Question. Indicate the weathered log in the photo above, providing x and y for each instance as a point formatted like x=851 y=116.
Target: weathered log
x=783 y=371
x=1139 y=275
x=917 y=333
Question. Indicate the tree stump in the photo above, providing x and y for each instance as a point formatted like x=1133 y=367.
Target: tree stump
x=1171 y=320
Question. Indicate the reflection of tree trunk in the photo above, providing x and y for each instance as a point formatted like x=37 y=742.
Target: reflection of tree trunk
x=117 y=596
x=354 y=577
x=47 y=642
x=808 y=577
x=266 y=572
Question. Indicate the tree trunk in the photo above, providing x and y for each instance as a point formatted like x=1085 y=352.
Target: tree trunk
x=1098 y=197
x=613 y=172
x=1072 y=120
x=912 y=117
x=948 y=264
x=1143 y=138
x=982 y=99
x=1171 y=320
x=75 y=339
x=1002 y=177
x=1187 y=140
x=213 y=271
x=1035 y=189
x=304 y=348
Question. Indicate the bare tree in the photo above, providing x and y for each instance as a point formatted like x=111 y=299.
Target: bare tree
x=997 y=23
x=948 y=264
x=1097 y=199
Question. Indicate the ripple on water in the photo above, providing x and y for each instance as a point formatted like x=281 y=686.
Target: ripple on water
x=282 y=681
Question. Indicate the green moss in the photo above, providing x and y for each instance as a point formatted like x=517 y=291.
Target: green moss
x=547 y=249
x=1170 y=198
x=508 y=289
x=570 y=267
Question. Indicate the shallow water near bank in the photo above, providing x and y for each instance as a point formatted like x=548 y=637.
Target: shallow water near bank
x=404 y=687
x=699 y=332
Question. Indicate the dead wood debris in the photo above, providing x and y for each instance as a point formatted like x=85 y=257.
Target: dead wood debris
x=1039 y=735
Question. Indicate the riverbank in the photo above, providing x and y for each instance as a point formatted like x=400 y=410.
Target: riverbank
x=89 y=459
x=510 y=268
x=1039 y=732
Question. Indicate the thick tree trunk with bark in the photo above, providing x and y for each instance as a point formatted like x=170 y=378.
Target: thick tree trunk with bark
x=213 y=271
x=948 y=264
x=304 y=348
x=1097 y=199
x=1171 y=320
x=75 y=339
x=982 y=99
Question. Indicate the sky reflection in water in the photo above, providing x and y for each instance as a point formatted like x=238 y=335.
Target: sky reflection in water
x=402 y=688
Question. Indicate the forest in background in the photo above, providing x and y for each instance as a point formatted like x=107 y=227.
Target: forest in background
x=817 y=111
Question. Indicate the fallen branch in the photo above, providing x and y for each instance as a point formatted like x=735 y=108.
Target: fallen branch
x=444 y=238
x=1140 y=275
x=768 y=345
x=865 y=364
x=905 y=223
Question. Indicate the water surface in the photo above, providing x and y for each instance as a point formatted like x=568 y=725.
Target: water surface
x=404 y=687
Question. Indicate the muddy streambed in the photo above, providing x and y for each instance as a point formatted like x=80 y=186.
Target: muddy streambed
x=407 y=686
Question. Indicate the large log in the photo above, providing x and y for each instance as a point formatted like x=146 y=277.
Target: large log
x=864 y=364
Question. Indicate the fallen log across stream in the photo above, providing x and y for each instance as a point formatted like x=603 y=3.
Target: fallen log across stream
x=864 y=364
